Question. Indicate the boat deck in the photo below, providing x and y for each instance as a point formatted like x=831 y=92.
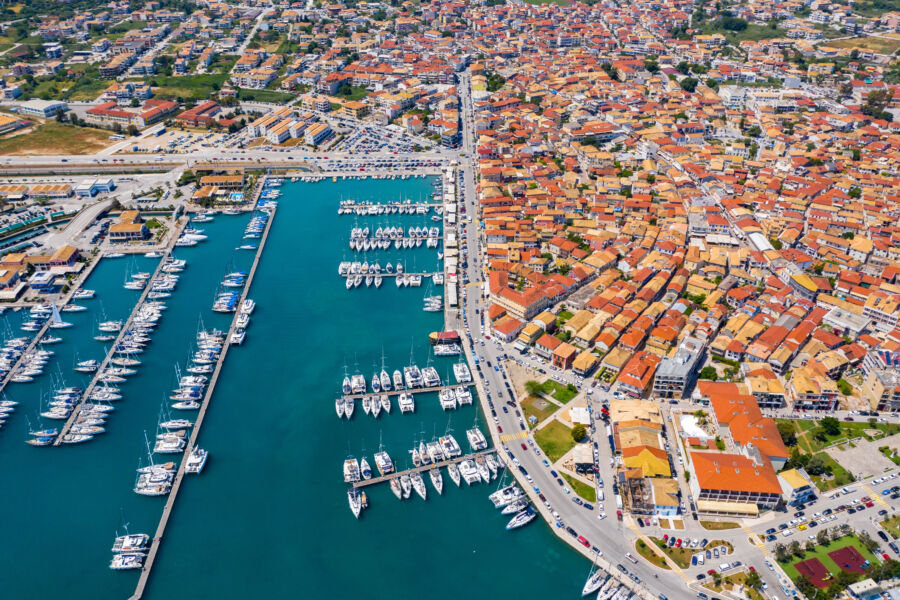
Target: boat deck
x=424 y=468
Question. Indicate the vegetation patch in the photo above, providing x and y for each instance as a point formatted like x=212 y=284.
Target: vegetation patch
x=681 y=556
x=892 y=526
x=649 y=555
x=52 y=138
x=537 y=407
x=558 y=391
x=585 y=491
x=879 y=45
x=718 y=525
x=555 y=439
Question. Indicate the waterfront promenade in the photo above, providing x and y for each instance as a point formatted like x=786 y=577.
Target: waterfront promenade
x=198 y=423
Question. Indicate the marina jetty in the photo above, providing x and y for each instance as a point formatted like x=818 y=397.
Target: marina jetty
x=122 y=332
x=198 y=423
x=422 y=469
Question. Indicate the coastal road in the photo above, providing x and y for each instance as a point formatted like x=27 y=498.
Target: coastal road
x=609 y=535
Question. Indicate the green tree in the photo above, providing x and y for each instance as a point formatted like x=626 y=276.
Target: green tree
x=688 y=84
x=533 y=387
x=579 y=433
x=753 y=580
x=709 y=373
x=831 y=425
x=816 y=465
x=788 y=433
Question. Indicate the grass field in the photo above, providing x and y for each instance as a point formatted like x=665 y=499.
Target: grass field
x=540 y=408
x=558 y=391
x=841 y=476
x=55 y=138
x=808 y=442
x=265 y=96
x=681 y=556
x=190 y=86
x=555 y=440
x=892 y=526
x=821 y=552
x=585 y=491
x=753 y=32
x=880 y=45
x=650 y=556
x=734 y=582
x=718 y=525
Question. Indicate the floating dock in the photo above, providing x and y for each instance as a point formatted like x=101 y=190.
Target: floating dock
x=424 y=468
x=195 y=432
x=391 y=393
x=125 y=327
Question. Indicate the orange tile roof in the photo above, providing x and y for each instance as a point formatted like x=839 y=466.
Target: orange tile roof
x=733 y=472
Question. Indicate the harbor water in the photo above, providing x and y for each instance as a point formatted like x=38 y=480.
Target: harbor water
x=268 y=517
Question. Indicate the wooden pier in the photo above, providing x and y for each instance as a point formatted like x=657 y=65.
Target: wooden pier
x=391 y=393
x=125 y=327
x=195 y=431
x=424 y=468
x=352 y=208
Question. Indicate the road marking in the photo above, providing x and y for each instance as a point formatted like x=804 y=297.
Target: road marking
x=514 y=436
x=875 y=496
x=758 y=539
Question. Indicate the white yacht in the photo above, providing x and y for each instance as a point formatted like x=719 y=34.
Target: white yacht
x=437 y=480
x=384 y=463
x=419 y=484
x=407 y=402
x=453 y=471
x=196 y=460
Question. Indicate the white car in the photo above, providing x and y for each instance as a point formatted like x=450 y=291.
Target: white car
x=601 y=516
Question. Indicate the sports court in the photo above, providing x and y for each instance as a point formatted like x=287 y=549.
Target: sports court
x=814 y=571
x=849 y=559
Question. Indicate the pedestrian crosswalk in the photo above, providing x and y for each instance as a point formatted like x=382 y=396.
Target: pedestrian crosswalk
x=875 y=496
x=514 y=436
x=755 y=539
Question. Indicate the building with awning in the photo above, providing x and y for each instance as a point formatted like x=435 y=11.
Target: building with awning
x=731 y=509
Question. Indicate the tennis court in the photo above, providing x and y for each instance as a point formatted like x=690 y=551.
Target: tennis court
x=814 y=571
x=849 y=559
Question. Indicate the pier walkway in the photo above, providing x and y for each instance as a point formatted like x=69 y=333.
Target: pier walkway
x=450 y=461
x=436 y=388
x=422 y=275
x=125 y=327
x=46 y=326
x=198 y=423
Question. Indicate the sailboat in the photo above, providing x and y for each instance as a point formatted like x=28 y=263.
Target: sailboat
x=56 y=321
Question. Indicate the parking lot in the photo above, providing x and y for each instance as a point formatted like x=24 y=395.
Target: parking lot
x=176 y=142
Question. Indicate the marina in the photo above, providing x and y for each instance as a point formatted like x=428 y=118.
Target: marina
x=191 y=459
x=255 y=442
x=423 y=469
x=124 y=330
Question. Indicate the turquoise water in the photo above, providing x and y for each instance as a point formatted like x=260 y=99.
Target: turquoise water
x=268 y=517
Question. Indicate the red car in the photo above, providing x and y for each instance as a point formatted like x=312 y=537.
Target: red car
x=869 y=505
x=584 y=541
x=711 y=571
x=665 y=537
x=500 y=429
x=885 y=557
x=678 y=543
x=524 y=447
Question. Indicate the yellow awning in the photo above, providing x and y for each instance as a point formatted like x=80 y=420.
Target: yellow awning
x=717 y=506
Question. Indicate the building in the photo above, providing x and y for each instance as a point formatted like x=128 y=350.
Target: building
x=881 y=389
x=676 y=374
x=867 y=589
x=202 y=115
x=130 y=227
x=732 y=484
x=45 y=109
x=796 y=487
x=91 y=187
x=564 y=355
x=110 y=114
x=316 y=134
